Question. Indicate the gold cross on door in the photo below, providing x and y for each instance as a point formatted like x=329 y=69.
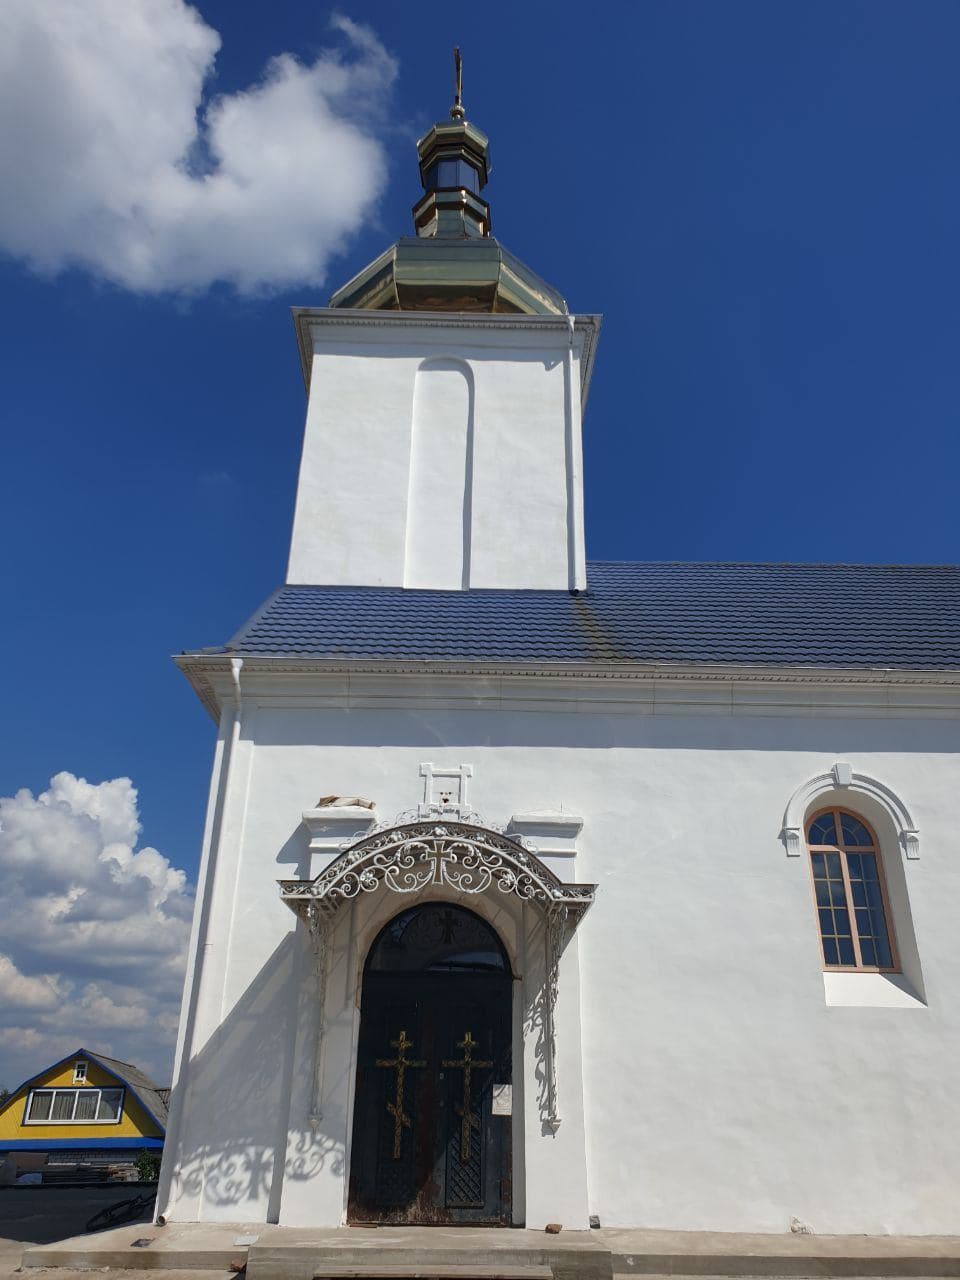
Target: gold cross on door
x=467 y=1064
x=401 y=1064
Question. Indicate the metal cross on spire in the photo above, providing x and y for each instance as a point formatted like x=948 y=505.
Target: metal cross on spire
x=456 y=111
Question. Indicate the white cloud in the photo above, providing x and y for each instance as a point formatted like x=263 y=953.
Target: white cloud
x=94 y=930
x=112 y=160
x=23 y=993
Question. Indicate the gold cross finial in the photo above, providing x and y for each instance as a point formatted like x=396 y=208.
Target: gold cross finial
x=457 y=111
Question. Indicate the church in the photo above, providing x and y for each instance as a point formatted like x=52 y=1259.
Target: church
x=541 y=890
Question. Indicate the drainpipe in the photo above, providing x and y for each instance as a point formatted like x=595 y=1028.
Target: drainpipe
x=576 y=567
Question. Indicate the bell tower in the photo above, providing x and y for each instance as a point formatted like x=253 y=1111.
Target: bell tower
x=446 y=383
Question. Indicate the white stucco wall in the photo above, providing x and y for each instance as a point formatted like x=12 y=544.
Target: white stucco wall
x=720 y=1090
x=519 y=485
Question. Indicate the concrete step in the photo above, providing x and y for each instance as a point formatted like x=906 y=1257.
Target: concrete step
x=434 y=1253
x=429 y=1271
x=785 y=1266
x=469 y=1261
x=80 y=1254
x=134 y=1273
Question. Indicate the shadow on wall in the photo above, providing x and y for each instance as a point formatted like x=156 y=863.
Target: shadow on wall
x=233 y=1132
x=534 y=1019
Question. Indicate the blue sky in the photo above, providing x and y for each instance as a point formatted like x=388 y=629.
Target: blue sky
x=761 y=199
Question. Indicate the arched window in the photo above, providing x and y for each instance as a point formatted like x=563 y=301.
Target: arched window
x=856 y=924
x=437 y=938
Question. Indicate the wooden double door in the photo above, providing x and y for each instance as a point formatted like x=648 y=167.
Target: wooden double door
x=432 y=1126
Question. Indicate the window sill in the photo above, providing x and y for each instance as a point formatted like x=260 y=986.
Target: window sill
x=870 y=991
x=67 y=1123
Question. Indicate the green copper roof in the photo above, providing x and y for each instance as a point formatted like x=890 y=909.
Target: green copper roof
x=449 y=274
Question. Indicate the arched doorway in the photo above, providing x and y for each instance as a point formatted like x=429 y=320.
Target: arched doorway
x=431 y=1121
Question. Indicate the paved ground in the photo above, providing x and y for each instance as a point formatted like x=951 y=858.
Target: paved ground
x=39 y=1215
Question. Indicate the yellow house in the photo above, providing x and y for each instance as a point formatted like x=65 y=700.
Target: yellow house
x=86 y=1108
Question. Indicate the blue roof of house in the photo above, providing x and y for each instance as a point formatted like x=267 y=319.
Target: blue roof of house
x=809 y=615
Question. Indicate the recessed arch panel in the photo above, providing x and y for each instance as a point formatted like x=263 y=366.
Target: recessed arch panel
x=437 y=553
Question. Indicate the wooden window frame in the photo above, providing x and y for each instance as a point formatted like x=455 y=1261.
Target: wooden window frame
x=843 y=849
x=80 y=1071
x=55 y=1089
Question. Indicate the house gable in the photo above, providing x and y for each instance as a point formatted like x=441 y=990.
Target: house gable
x=141 y=1120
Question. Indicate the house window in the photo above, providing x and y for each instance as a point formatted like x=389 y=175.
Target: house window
x=41 y=1101
x=79 y=1073
x=851 y=897
x=74 y=1106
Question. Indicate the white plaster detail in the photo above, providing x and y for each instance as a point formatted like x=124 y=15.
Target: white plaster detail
x=550 y=832
x=445 y=791
x=614 y=689
x=870 y=991
x=842 y=773
x=331 y=826
x=842 y=776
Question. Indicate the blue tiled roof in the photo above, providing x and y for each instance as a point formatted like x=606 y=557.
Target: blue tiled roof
x=810 y=615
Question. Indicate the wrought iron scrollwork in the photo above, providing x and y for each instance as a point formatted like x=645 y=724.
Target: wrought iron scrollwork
x=317 y=928
x=556 y=927
x=406 y=859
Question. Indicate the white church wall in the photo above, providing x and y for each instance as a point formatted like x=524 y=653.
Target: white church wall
x=225 y=1143
x=378 y=503
x=720 y=1089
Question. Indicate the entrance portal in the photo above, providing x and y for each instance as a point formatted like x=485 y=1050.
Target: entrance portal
x=434 y=1053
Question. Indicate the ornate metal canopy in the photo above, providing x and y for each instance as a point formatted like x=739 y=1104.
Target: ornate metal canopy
x=462 y=856
x=466 y=858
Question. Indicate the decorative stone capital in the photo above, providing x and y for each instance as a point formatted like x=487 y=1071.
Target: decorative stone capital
x=792 y=838
x=911 y=843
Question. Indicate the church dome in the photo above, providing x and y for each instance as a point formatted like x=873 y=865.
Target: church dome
x=452 y=263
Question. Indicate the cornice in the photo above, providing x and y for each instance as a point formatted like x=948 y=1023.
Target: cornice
x=305 y=318
x=202 y=670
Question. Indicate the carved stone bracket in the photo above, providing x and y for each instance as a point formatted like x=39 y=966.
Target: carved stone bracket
x=464 y=857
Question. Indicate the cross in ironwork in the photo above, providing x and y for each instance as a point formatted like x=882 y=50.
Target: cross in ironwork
x=467 y=1064
x=400 y=1064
